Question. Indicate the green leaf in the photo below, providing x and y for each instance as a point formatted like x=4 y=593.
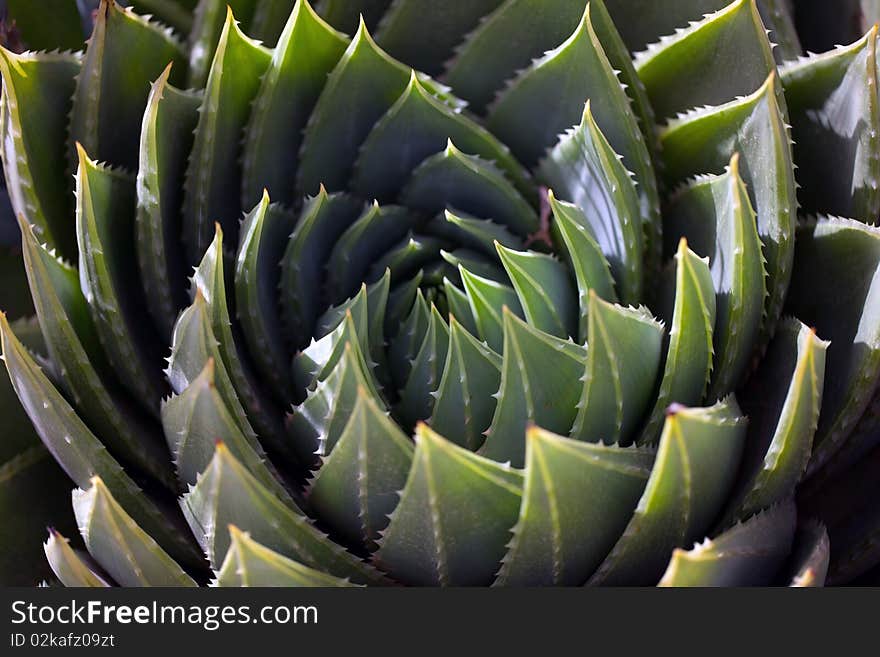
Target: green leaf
x=417 y=396
x=226 y=493
x=478 y=264
x=362 y=244
x=624 y=347
x=750 y=554
x=317 y=361
x=583 y=169
x=722 y=57
x=196 y=419
x=697 y=460
x=835 y=118
x=465 y=399
x=454 y=516
x=125 y=54
x=411 y=254
x=210 y=282
x=73 y=346
x=408 y=339
x=782 y=419
x=166 y=140
x=192 y=346
x=105 y=209
x=63 y=31
x=366 y=78
x=417 y=126
x=357 y=485
x=119 y=544
x=656 y=20
x=80 y=453
x=715 y=215
x=834 y=288
x=208 y=23
x=576 y=501
x=264 y=236
x=584 y=257
x=527 y=395
x=487 y=301
x=424 y=33
x=174 y=13
x=689 y=351
x=307 y=52
x=459 y=307
x=247 y=563
x=544 y=288
x=526 y=28
x=323 y=219
x=706 y=140
x=479 y=234
x=70 y=567
x=453 y=180
x=811 y=555
x=572 y=73
x=317 y=424
x=36 y=101
x=345 y=14
x=213 y=177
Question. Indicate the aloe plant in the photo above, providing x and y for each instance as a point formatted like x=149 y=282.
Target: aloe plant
x=505 y=292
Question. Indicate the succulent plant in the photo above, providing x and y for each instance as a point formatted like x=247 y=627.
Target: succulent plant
x=501 y=292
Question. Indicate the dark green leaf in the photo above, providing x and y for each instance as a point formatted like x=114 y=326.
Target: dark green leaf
x=454 y=517
x=577 y=500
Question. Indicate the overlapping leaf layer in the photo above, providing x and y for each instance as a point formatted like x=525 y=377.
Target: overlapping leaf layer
x=478 y=293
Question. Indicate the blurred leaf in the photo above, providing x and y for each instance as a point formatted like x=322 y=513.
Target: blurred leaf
x=748 y=554
x=834 y=289
x=810 y=558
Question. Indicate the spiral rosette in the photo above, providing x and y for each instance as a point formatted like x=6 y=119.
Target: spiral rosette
x=483 y=293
